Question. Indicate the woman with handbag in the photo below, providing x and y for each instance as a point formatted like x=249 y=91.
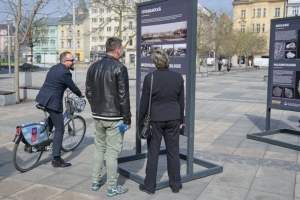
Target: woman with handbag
x=164 y=91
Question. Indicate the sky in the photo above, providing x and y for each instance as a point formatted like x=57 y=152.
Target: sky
x=216 y=5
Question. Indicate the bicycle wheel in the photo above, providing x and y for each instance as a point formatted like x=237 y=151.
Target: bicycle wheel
x=73 y=138
x=25 y=157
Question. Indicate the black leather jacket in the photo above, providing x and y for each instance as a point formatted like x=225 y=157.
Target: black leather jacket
x=107 y=90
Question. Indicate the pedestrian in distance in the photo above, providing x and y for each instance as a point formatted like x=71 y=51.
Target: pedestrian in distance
x=167 y=115
x=107 y=90
x=220 y=64
x=58 y=79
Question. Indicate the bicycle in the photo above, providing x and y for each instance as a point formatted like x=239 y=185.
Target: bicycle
x=32 y=139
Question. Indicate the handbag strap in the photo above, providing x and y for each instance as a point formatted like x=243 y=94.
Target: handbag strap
x=150 y=97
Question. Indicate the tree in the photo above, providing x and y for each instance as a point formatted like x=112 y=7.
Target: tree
x=18 y=9
x=116 y=12
x=37 y=33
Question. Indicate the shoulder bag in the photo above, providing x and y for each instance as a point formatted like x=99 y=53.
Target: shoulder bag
x=145 y=129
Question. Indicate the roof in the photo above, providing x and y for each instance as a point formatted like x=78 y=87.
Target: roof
x=50 y=21
x=68 y=19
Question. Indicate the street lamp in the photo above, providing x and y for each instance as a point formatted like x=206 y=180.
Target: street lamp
x=8 y=21
x=74 y=39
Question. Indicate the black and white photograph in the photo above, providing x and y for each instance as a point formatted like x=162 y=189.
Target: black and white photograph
x=279 y=49
x=290 y=45
x=288 y=93
x=290 y=54
x=277 y=91
x=165 y=32
x=155 y=47
x=179 y=50
x=169 y=49
x=145 y=50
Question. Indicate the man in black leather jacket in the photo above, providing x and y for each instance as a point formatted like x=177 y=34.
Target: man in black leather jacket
x=107 y=90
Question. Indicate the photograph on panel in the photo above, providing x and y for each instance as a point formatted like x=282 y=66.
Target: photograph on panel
x=290 y=54
x=179 y=50
x=277 y=91
x=155 y=47
x=165 y=32
x=288 y=93
x=169 y=49
x=290 y=45
x=279 y=50
x=145 y=50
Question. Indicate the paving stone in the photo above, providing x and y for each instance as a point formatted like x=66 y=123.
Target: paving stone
x=281 y=156
x=75 y=196
x=34 y=175
x=9 y=186
x=36 y=191
x=220 y=191
x=266 y=196
x=83 y=169
x=249 y=152
x=233 y=180
x=7 y=169
x=63 y=180
x=220 y=149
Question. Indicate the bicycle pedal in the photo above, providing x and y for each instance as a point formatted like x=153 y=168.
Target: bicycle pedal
x=48 y=148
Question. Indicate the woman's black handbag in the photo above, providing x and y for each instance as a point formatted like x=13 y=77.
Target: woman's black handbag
x=145 y=128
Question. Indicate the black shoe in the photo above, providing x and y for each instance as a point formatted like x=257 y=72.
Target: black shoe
x=60 y=163
x=176 y=191
x=142 y=188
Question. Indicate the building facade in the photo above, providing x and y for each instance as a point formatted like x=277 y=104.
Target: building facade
x=256 y=15
x=105 y=23
x=46 y=49
x=65 y=33
x=292 y=8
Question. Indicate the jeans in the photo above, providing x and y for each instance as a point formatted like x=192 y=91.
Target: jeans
x=108 y=139
x=58 y=123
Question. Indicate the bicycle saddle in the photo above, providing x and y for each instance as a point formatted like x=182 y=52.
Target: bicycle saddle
x=41 y=107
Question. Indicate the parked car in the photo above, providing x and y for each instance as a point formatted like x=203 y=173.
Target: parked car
x=261 y=62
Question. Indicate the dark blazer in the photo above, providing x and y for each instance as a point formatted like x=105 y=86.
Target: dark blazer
x=167 y=96
x=58 y=79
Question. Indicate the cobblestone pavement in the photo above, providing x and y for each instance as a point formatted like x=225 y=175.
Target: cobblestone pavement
x=228 y=107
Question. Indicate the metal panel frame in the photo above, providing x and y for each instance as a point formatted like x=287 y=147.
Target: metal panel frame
x=260 y=137
x=190 y=175
x=211 y=169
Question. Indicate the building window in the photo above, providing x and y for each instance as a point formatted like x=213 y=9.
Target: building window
x=258 y=28
x=242 y=28
x=101 y=19
x=263 y=28
x=252 y=27
x=70 y=33
x=106 y=2
x=101 y=10
x=117 y=18
x=78 y=32
x=62 y=33
x=130 y=42
x=116 y=29
x=69 y=44
x=108 y=19
x=102 y=48
x=124 y=38
x=258 y=12
x=94 y=11
x=94 y=20
x=253 y=13
x=129 y=1
x=94 y=30
x=52 y=44
x=52 y=33
x=130 y=25
x=108 y=10
x=101 y=29
x=94 y=39
x=295 y=11
x=101 y=39
x=277 y=12
x=44 y=45
x=62 y=44
x=265 y=12
x=108 y=29
x=243 y=14
x=78 y=44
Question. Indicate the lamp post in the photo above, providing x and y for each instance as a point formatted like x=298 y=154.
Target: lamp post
x=74 y=40
x=8 y=21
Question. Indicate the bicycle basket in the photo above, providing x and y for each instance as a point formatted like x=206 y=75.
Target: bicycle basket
x=79 y=104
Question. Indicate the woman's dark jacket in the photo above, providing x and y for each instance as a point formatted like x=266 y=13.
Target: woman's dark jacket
x=167 y=96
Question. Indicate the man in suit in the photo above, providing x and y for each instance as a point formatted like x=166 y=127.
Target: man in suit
x=58 y=79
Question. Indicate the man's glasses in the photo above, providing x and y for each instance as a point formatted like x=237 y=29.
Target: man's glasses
x=71 y=60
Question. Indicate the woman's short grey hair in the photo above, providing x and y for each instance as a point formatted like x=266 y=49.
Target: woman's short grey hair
x=160 y=59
